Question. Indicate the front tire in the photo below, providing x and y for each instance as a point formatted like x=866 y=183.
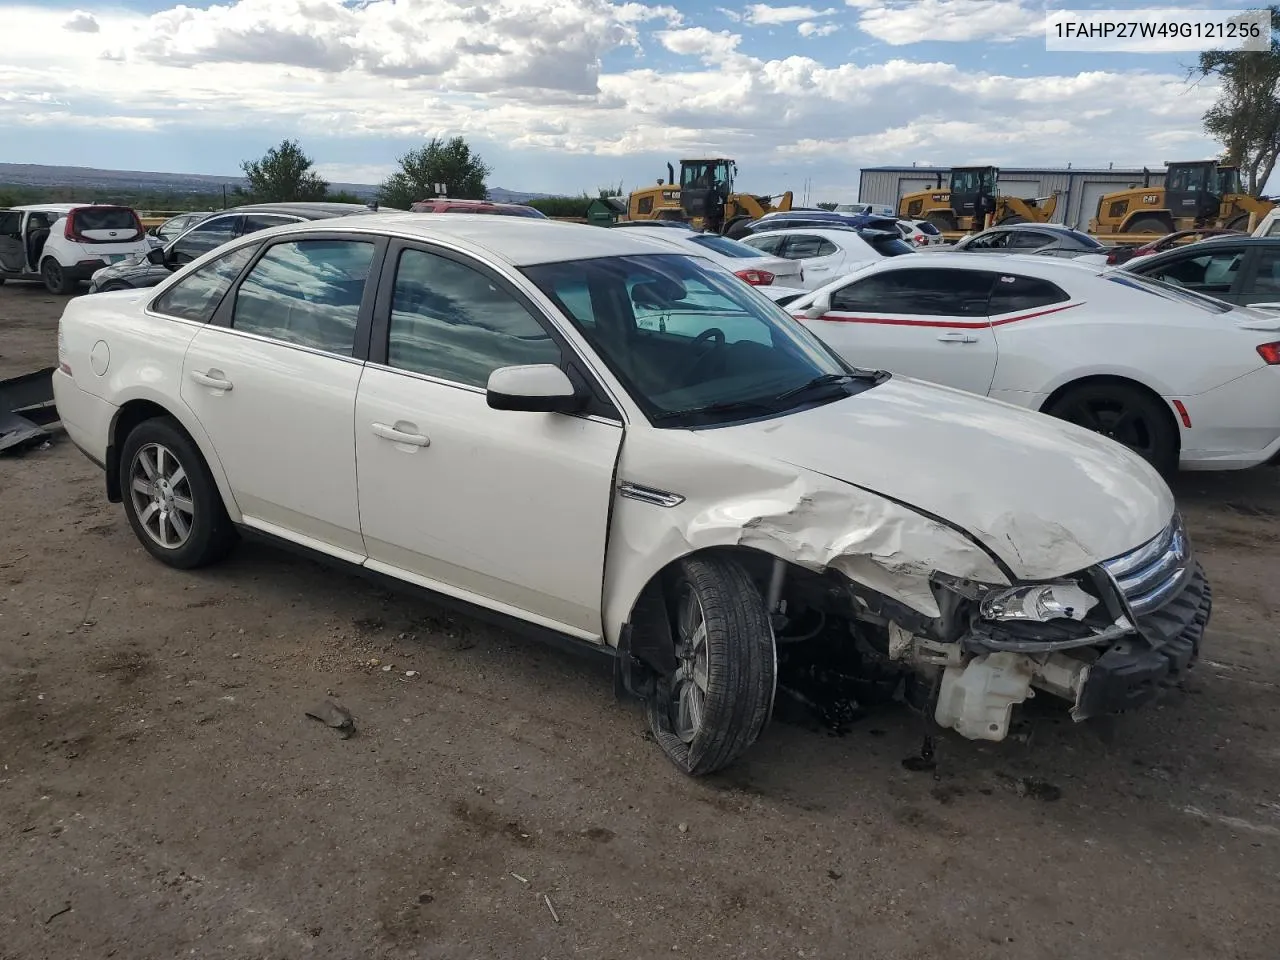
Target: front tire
x=170 y=497
x=1149 y=225
x=55 y=277
x=1125 y=414
x=715 y=705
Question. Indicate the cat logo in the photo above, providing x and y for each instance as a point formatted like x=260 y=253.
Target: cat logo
x=1151 y=199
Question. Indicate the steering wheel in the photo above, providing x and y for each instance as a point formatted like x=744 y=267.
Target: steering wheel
x=713 y=336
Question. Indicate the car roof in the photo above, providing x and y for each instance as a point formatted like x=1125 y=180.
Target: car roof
x=300 y=208
x=519 y=241
x=65 y=207
x=1029 y=264
x=828 y=233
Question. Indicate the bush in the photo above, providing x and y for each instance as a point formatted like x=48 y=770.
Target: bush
x=561 y=206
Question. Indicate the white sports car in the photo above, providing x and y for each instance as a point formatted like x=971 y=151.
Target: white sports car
x=1183 y=379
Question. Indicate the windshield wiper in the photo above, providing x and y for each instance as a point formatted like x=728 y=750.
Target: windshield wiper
x=829 y=379
x=731 y=406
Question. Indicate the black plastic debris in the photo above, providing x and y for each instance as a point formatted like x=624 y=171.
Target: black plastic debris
x=26 y=405
x=334 y=715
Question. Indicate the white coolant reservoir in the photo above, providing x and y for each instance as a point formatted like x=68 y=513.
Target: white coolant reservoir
x=977 y=700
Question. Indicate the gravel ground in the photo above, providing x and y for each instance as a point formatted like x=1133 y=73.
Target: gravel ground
x=162 y=792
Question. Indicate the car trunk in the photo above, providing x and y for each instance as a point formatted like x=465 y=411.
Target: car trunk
x=104 y=225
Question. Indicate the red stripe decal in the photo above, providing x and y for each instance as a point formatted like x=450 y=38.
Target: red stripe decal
x=948 y=324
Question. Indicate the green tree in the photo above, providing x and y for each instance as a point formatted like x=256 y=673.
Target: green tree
x=283 y=173
x=603 y=192
x=451 y=163
x=1246 y=116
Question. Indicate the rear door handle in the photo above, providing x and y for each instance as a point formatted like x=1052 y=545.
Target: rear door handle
x=212 y=379
x=957 y=338
x=401 y=436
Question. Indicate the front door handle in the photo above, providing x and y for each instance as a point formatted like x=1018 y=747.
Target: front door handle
x=396 y=435
x=213 y=378
x=957 y=338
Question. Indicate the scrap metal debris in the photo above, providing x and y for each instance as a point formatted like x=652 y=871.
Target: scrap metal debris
x=554 y=916
x=26 y=404
x=55 y=916
x=336 y=716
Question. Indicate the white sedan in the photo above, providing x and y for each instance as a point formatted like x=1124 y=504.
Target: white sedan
x=1183 y=379
x=827 y=253
x=756 y=267
x=578 y=433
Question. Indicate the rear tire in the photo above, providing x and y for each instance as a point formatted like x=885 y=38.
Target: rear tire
x=115 y=285
x=1125 y=414
x=1239 y=223
x=706 y=714
x=1151 y=225
x=1012 y=218
x=55 y=277
x=736 y=228
x=170 y=497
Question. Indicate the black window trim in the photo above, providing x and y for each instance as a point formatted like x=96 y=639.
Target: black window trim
x=222 y=317
x=151 y=310
x=601 y=405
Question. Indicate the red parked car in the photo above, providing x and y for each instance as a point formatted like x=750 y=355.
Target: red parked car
x=1170 y=240
x=445 y=205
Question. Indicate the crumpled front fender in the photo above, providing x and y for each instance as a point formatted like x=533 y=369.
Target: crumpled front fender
x=802 y=517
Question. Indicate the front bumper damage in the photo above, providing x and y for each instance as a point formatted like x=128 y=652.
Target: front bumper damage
x=1159 y=606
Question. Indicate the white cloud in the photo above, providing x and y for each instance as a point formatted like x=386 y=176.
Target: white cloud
x=761 y=14
x=81 y=22
x=417 y=68
x=901 y=22
x=810 y=29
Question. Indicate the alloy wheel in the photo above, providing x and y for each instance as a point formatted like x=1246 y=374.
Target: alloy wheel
x=160 y=492
x=689 y=685
x=1114 y=419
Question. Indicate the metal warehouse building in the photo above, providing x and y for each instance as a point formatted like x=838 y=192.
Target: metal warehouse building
x=1079 y=189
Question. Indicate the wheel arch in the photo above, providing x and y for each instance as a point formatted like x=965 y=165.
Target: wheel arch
x=141 y=407
x=1116 y=379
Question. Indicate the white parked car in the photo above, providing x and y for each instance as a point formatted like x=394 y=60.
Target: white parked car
x=1183 y=379
x=826 y=254
x=866 y=209
x=754 y=266
x=563 y=427
x=921 y=233
x=1268 y=226
x=62 y=244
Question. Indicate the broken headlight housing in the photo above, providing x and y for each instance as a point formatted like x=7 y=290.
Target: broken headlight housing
x=1037 y=603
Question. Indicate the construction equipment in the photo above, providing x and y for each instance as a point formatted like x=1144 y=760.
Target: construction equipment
x=973 y=202
x=704 y=198
x=1195 y=194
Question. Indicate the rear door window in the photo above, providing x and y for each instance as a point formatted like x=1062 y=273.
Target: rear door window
x=1028 y=239
x=803 y=246
x=1213 y=273
x=306 y=292
x=768 y=245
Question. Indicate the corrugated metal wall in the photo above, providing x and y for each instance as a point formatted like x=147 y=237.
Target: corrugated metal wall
x=1080 y=189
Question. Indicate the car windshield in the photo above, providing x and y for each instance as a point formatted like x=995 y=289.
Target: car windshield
x=726 y=247
x=1169 y=291
x=692 y=344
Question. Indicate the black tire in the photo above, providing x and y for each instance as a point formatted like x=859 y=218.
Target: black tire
x=210 y=533
x=1127 y=415
x=736 y=228
x=1012 y=218
x=1152 y=225
x=1239 y=223
x=115 y=285
x=55 y=278
x=942 y=221
x=740 y=668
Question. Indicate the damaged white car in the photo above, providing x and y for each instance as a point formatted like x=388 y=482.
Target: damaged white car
x=632 y=449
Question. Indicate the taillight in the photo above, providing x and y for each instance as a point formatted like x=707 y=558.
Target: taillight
x=1270 y=353
x=920 y=239
x=1113 y=256
x=757 y=278
x=69 y=230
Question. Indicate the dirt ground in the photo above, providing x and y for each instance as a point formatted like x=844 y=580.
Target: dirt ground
x=162 y=792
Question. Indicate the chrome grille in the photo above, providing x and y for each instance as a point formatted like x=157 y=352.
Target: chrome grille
x=1151 y=574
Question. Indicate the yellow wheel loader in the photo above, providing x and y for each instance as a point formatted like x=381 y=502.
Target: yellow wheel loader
x=704 y=198
x=973 y=201
x=1195 y=195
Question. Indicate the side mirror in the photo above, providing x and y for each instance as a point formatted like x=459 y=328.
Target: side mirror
x=156 y=255
x=819 y=307
x=535 y=387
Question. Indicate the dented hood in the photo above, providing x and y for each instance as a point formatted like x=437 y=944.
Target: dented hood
x=1047 y=497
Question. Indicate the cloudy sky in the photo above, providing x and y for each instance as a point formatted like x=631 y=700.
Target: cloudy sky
x=562 y=95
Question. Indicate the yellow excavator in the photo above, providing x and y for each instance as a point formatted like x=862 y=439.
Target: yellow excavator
x=1196 y=194
x=704 y=198
x=972 y=197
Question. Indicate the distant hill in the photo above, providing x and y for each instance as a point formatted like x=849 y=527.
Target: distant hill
x=93 y=180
